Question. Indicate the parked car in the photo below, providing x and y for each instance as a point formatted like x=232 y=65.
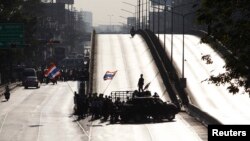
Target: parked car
x=31 y=81
x=28 y=72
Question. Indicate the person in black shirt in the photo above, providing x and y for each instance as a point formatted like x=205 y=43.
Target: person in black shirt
x=140 y=83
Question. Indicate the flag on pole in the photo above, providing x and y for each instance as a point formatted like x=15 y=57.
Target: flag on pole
x=52 y=72
x=109 y=75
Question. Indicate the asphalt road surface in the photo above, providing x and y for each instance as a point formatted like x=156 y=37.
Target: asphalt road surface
x=43 y=114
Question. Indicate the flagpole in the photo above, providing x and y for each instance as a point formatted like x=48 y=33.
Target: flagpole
x=107 y=86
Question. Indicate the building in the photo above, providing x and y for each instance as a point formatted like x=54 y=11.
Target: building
x=88 y=21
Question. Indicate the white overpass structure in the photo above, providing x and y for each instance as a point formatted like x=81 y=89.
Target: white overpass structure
x=215 y=100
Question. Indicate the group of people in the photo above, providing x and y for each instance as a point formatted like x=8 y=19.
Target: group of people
x=100 y=106
x=96 y=106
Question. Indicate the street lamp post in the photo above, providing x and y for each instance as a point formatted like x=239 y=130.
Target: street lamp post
x=183 y=80
x=165 y=2
x=172 y=24
x=131 y=12
x=172 y=32
x=146 y=20
x=139 y=8
x=153 y=20
x=158 y=15
x=142 y=16
x=140 y=5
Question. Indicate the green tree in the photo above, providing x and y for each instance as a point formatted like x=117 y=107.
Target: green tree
x=228 y=21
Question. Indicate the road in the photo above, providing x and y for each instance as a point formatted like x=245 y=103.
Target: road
x=215 y=100
x=42 y=114
x=45 y=114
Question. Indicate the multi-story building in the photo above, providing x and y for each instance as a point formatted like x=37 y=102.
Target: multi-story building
x=88 y=20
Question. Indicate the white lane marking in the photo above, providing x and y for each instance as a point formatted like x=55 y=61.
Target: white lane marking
x=83 y=129
x=46 y=100
x=151 y=137
x=3 y=122
x=39 y=129
x=88 y=135
x=90 y=130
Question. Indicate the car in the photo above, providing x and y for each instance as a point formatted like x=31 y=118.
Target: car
x=28 y=72
x=31 y=81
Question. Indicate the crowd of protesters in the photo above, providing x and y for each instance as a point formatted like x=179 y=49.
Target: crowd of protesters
x=66 y=75
x=103 y=107
x=98 y=107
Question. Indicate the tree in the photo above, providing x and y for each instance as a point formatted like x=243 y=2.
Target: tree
x=228 y=21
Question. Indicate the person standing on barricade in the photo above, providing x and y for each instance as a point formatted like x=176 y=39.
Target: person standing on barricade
x=141 y=83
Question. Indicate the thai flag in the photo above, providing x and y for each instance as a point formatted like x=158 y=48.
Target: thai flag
x=109 y=75
x=52 y=72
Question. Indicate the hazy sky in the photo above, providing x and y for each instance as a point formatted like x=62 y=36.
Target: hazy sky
x=101 y=10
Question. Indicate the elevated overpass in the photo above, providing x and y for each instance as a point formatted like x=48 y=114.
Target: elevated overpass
x=212 y=99
x=132 y=57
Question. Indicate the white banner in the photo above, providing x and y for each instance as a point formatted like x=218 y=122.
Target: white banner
x=65 y=1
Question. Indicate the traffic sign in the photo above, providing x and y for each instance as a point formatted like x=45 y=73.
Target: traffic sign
x=11 y=34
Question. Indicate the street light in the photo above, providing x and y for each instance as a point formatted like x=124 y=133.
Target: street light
x=131 y=12
x=139 y=10
x=144 y=18
x=183 y=80
x=172 y=24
